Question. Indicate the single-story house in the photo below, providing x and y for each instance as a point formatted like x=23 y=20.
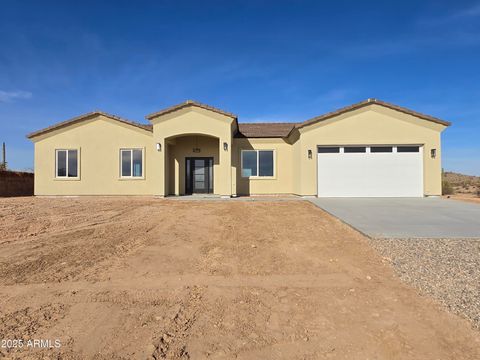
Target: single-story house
x=369 y=149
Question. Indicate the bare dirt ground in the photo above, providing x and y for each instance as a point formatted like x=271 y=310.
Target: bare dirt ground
x=126 y=278
x=468 y=198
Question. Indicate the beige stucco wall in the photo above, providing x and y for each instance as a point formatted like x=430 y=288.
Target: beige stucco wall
x=370 y=125
x=280 y=183
x=194 y=121
x=98 y=141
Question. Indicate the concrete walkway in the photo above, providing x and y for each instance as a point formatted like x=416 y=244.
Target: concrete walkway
x=406 y=217
x=210 y=197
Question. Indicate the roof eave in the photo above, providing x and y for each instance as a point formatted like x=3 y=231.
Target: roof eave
x=262 y=137
x=79 y=118
x=369 y=102
x=187 y=104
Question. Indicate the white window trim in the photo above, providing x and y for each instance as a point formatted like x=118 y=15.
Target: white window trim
x=131 y=177
x=258 y=177
x=66 y=177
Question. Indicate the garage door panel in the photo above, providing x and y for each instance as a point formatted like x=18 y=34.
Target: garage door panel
x=370 y=174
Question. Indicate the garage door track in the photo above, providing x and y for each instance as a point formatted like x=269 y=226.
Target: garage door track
x=406 y=217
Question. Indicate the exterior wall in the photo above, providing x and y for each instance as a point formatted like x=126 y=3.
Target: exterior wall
x=280 y=183
x=296 y=163
x=98 y=141
x=372 y=125
x=194 y=121
x=181 y=148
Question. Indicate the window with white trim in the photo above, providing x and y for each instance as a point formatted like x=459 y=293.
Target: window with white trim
x=131 y=163
x=257 y=163
x=66 y=163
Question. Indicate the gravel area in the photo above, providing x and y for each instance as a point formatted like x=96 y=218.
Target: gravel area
x=446 y=269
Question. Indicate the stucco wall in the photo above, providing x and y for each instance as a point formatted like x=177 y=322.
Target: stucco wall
x=194 y=121
x=98 y=141
x=280 y=183
x=372 y=125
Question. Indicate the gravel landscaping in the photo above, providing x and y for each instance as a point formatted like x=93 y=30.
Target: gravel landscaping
x=446 y=269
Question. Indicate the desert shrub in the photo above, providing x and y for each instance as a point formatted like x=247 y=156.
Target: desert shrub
x=466 y=185
x=447 y=188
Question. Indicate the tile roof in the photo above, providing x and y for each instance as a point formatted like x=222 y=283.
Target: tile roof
x=370 y=102
x=187 y=104
x=85 y=117
x=264 y=130
x=245 y=130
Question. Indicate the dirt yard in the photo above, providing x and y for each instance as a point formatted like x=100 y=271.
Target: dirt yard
x=126 y=278
x=468 y=198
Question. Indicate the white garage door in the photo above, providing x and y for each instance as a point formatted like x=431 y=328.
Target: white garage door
x=370 y=171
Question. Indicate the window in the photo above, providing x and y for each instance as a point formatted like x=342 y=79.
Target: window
x=265 y=163
x=257 y=163
x=249 y=163
x=328 y=150
x=355 y=149
x=404 y=149
x=381 y=149
x=131 y=163
x=66 y=164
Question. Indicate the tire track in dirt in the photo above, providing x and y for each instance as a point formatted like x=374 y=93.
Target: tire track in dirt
x=104 y=244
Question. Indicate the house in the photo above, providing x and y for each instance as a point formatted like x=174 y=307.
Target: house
x=369 y=149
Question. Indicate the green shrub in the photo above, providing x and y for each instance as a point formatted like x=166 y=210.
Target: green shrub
x=447 y=188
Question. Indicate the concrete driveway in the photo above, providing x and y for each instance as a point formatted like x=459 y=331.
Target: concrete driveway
x=406 y=217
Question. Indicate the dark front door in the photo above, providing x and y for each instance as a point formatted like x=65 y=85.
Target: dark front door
x=199 y=175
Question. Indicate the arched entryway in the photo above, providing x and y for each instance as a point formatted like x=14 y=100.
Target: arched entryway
x=192 y=160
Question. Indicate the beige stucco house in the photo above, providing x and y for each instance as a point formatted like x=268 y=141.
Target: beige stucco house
x=368 y=149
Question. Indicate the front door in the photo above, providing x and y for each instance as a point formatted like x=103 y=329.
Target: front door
x=198 y=175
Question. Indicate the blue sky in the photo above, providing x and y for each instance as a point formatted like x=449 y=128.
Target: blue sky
x=263 y=60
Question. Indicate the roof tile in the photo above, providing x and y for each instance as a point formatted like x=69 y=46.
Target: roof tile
x=84 y=117
x=186 y=104
x=370 y=102
x=264 y=130
x=245 y=130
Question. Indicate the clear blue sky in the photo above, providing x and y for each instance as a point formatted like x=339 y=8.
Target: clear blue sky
x=263 y=60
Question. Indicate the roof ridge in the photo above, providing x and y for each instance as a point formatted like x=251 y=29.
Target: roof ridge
x=273 y=122
x=190 y=103
x=118 y=117
x=371 y=101
x=84 y=116
x=295 y=125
